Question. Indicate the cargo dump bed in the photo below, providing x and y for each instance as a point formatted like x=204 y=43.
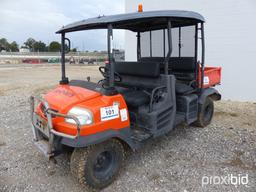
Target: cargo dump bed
x=212 y=76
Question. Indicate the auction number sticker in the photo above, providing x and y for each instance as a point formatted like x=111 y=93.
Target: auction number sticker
x=108 y=113
x=123 y=113
x=206 y=80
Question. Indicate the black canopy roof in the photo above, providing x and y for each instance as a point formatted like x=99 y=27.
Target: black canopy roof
x=138 y=21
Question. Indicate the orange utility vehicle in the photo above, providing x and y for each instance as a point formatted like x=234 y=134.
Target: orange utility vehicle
x=135 y=102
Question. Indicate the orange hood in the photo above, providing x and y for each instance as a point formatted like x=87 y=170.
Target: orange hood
x=64 y=97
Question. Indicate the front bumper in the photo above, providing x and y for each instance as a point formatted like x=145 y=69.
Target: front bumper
x=45 y=136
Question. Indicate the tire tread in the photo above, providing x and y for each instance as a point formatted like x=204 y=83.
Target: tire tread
x=79 y=160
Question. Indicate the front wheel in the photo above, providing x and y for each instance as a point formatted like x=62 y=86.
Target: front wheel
x=97 y=166
x=205 y=113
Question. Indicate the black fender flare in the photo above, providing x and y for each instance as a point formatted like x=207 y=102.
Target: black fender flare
x=209 y=92
x=124 y=135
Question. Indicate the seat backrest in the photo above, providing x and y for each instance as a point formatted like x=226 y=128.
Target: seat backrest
x=138 y=74
x=152 y=59
x=182 y=67
x=140 y=69
x=185 y=64
x=182 y=64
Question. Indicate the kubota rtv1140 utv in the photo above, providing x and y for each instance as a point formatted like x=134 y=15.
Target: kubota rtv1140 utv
x=135 y=101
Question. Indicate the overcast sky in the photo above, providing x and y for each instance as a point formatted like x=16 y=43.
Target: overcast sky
x=40 y=19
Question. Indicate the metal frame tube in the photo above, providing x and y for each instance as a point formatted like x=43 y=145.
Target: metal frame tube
x=179 y=41
x=64 y=79
x=166 y=62
x=203 y=55
x=196 y=52
x=110 y=57
x=138 y=46
x=164 y=41
x=150 y=41
x=49 y=113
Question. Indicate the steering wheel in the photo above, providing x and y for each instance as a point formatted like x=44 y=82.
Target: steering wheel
x=104 y=71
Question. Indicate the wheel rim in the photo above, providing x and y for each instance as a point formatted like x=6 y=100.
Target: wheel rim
x=208 y=113
x=104 y=164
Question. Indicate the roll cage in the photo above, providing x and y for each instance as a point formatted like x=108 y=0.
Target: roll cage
x=140 y=22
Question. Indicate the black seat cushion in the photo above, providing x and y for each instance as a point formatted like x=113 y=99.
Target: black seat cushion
x=185 y=76
x=152 y=59
x=182 y=88
x=136 y=98
x=184 y=68
x=182 y=64
x=138 y=82
x=140 y=69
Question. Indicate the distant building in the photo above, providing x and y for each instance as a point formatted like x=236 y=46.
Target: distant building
x=24 y=50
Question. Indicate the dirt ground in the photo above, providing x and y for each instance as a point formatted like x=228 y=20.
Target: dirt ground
x=181 y=161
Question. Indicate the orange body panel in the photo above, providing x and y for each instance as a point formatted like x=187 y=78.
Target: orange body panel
x=64 y=97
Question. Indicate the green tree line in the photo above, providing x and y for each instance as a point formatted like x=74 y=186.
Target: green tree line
x=32 y=45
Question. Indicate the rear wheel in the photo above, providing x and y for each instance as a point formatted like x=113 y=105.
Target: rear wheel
x=97 y=166
x=205 y=113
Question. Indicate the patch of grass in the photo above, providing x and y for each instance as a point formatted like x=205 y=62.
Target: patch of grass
x=224 y=113
x=248 y=124
x=233 y=114
x=1 y=93
x=237 y=162
x=239 y=153
x=154 y=177
x=51 y=172
x=220 y=113
x=2 y=144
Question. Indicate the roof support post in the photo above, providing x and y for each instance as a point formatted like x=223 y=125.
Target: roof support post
x=164 y=41
x=196 y=54
x=138 y=47
x=166 y=61
x=179 y=41
x=111 y=66
x=64 y=79
x=203 y=55
x=110 y=56
x=150 y=41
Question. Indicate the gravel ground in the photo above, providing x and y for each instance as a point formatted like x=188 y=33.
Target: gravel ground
x=175 y=162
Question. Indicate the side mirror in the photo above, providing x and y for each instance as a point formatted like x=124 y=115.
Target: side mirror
x=67 y=48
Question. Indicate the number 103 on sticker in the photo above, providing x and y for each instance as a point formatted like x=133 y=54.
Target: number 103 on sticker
x=108 y=113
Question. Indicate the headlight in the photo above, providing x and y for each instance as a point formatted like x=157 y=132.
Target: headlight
x=83 y=115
